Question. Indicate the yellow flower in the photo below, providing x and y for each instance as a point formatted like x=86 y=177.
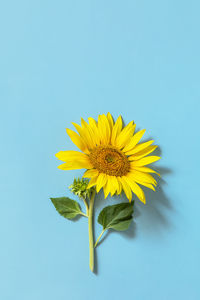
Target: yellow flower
x=112 y=155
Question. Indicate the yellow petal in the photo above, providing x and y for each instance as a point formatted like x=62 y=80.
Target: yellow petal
x=77 y=140
x=136 y=189
x=114 y=185
x=106 y=189
x=101 y=181
x=88 y=133
x=119 y=187
x=70 y=155
x=116 y=130
x=92 y=182
x=74 y=159
x=146 y=170
x=104 y=129
x=139 y=147
x=91 y=173
x=109 y=187
x=142 y=153
x=74 y=165
x=126 y=187
x=144 y=161
x=85 y=135
x=148 y=185
x=125 y=135
x=141 y=177
x=78 y=128
x=94 y=128
x=134 y=140
x=110 y=121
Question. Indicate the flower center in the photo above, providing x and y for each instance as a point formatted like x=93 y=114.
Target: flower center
x=109 y=160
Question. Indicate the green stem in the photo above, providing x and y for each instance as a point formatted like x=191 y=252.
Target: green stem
x=86 y=205
x=90 y=229
x=99 y=237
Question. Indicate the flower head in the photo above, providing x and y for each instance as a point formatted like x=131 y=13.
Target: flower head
x=112 y=155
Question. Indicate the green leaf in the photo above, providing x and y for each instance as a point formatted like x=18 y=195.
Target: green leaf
x=66 y=207
x=118 y=216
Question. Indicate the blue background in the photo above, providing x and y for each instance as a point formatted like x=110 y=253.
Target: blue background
x=63 y=60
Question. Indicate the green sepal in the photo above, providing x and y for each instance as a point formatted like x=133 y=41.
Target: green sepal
x=118 y=216
x=66 y=207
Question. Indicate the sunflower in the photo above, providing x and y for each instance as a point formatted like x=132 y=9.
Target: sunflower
x=112 y=155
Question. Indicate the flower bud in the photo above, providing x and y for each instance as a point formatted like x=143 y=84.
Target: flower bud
x=79 y=188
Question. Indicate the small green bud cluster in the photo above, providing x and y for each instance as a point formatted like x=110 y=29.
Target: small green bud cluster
x=79 y=188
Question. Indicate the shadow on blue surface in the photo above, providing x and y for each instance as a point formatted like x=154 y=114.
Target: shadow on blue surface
x=154 y=211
